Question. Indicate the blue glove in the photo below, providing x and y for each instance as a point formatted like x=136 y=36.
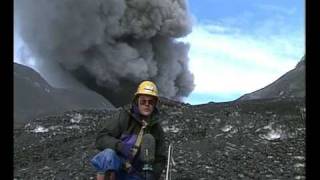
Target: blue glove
x=126 y=144
x=124 y=148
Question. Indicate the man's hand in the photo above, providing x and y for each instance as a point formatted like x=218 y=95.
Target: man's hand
x=130 y=169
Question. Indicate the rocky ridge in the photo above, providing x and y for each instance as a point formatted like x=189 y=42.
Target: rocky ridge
x=35 y=97
x=289 y=85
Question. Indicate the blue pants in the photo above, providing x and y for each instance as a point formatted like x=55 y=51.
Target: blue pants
x=107 y=160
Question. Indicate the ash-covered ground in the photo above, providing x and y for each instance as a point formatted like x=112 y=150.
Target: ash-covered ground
x=255 y=139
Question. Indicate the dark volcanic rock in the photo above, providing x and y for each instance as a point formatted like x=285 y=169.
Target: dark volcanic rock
x=34 y=97
x=58 y=146
x=291 y=84
x=256 y=139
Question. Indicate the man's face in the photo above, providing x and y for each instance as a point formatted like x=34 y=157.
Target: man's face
x=146 y=104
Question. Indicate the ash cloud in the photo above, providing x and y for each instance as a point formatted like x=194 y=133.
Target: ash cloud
x=110 y=45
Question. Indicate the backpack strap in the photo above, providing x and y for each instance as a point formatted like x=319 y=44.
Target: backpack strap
x=139 y=139
x=136 y=145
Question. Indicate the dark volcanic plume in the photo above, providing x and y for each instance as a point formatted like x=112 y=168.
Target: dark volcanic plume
x=109 y=45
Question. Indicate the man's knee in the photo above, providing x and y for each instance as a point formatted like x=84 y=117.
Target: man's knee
x=106 y=160
x=109 y=152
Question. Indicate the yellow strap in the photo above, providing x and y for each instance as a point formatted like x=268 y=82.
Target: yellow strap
x=139 y=139
x=136 y=146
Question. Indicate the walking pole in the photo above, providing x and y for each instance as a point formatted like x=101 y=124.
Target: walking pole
x=168 y=162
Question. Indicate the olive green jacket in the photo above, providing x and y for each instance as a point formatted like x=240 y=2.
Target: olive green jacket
x=127 y=123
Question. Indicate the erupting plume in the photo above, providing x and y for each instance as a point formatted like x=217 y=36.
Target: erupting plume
x=110 y=45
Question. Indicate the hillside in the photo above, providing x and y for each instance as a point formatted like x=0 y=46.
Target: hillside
x=291 y=84
x=34 y=97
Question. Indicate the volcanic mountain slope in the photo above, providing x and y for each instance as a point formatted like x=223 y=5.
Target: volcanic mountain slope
x=34 y=97
x=291 y=84
x=254 y=139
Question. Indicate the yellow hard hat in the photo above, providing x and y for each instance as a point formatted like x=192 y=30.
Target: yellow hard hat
x=147 y=88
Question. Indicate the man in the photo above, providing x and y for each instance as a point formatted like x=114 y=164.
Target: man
x=119 y=141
